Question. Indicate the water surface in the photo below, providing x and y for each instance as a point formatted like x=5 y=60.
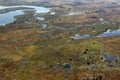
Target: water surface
x=8 y=17
x=110 y=33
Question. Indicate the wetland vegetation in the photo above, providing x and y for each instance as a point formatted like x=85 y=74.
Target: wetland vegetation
x=64 y=40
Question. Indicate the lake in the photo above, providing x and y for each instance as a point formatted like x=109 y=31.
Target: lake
x=107 y=33
x=8 y=17
x=110 y=33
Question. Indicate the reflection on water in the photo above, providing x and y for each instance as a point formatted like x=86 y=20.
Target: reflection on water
x=110 y=33
x=44 y=25
x=41 y=18
x=104 y=34
x=77 y=36
x=38 y=9
x=9 y=16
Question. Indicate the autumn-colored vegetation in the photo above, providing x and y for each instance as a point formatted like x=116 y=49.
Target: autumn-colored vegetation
x=30 y=52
